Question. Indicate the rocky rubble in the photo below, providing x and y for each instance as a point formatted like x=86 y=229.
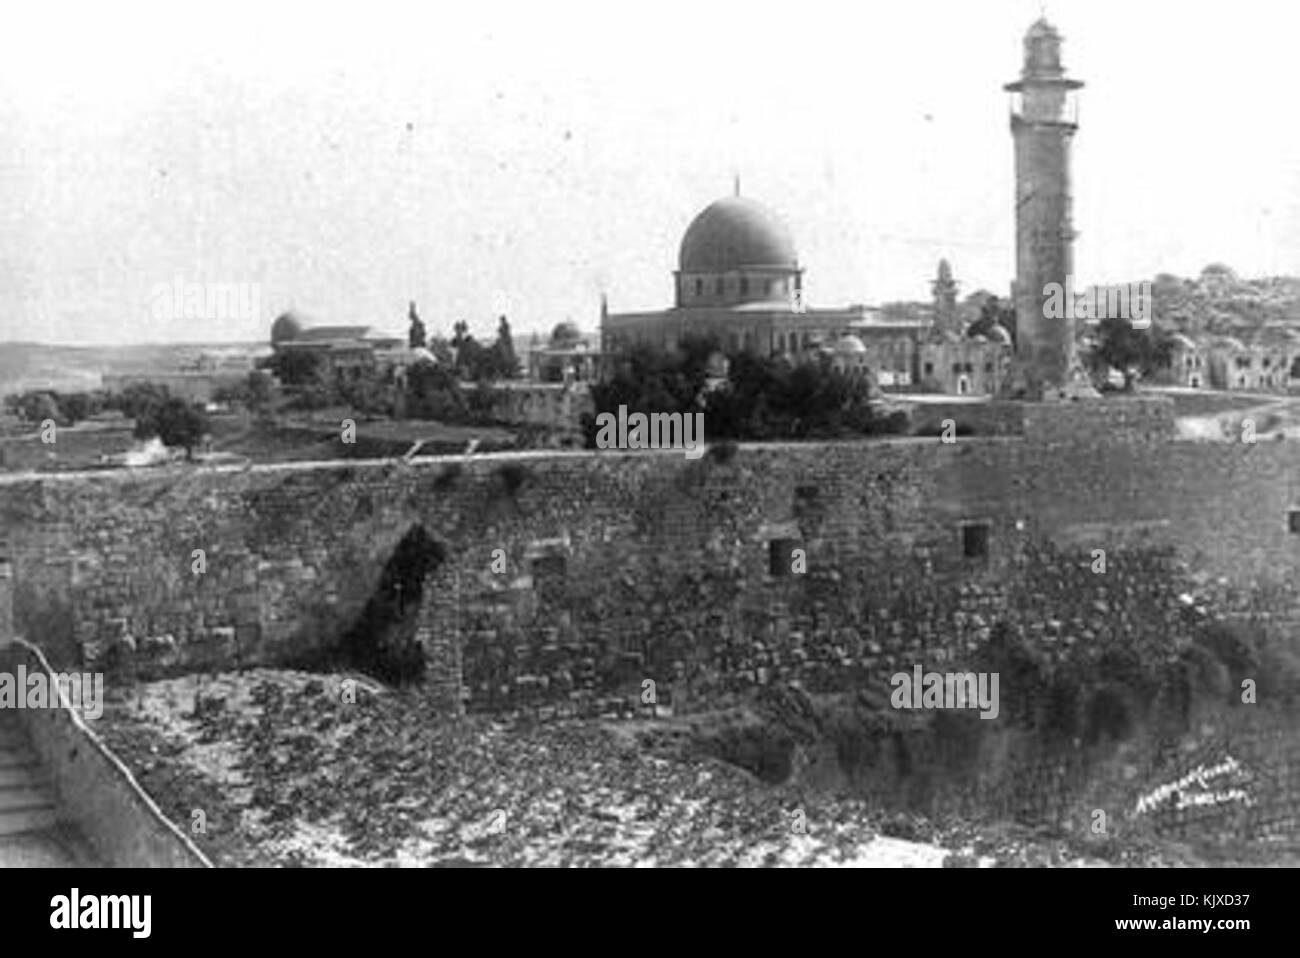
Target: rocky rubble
x=289 y=774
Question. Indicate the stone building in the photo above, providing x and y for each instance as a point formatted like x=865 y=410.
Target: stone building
x=568 y=356
x=1262 y=365
x=347 y=351
x=1188 y=363
x=740 y=280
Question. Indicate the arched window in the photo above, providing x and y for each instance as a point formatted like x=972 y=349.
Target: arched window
x=699 y=287
x=744 y=286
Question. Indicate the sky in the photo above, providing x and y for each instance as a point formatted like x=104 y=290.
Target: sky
x=346 y=158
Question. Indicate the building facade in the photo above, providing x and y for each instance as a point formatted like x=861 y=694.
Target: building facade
x=739 y=281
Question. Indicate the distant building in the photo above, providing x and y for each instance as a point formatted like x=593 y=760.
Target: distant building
x=1258 y=366
x=196 y=379
x=739 y=281
x=1188 y=363
x=347 y=351
x=557 y=407
x=568 y=356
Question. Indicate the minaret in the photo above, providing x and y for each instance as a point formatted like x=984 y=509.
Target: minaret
x=1043 y=121
x=945 y=300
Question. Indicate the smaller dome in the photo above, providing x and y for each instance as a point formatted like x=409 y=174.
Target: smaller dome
x=999 y=334
x=1182 y=342
x=849 y=345
x=288 y=326
x=565 y=334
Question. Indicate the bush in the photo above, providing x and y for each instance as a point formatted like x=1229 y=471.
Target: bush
x=174 y=421
x=761 y=399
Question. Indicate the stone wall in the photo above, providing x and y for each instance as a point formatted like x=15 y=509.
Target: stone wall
x=626 y=567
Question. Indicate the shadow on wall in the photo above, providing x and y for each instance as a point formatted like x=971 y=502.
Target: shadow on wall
x=43 y=613
x=382 y=641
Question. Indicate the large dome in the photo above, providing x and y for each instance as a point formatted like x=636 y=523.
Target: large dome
x=288 y=327
x=735 y=233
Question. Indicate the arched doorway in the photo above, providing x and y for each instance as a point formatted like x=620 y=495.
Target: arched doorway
x=382 y=641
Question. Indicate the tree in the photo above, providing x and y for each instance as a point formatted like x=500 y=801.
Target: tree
x=442 y=351
x=474 y=361
x=432 y=392
x=368 y=394
x=138 y=398
x=174 y=421
x=260 y=392
x=296 y=367
x=761 y=399
x=507 y=363
x=418 y=335
x=1134 y=352
x=40 y=406
x=994 y=312
x=79 y=406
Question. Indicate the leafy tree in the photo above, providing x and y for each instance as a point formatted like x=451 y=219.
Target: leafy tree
x=260 y=392
x=474 y=361
x=507 y=363
x=1134 y=352
x=442 y=351
x=41 y=406
x=994 y=312
x=368 y=394
x=79 y=406
x=761 y=399
x=418 y=335
x=433 y=392
x=136 y=399
x=176 y=422
x=36 y=406
x=297 y=367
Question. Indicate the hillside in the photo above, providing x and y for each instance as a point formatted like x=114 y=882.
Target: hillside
x=74 y=368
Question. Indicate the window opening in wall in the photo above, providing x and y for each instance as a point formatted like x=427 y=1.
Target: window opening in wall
x=975 y=539
x=549 y=567
x=1293 y=521
x=780 y=557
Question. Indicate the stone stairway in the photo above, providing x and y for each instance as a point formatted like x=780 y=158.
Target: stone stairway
x=30 y=832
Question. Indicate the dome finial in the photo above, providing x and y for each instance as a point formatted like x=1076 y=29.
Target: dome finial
x=736 y=182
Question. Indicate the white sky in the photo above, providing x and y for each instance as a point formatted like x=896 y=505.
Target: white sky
x=559 y=149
